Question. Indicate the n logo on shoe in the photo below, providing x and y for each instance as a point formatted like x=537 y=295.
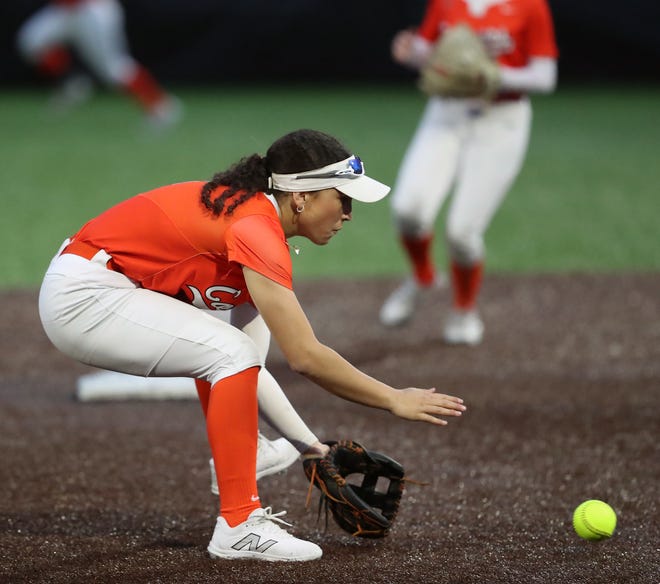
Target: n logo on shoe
x=252 y=543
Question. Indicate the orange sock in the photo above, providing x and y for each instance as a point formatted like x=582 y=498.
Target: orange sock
x=54 y=62
x=231 y=425
x=143 y=87
x=204 y=392
x=466 y=282
x=419 y=254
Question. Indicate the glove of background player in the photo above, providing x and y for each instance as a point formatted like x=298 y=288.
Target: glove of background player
x=359 y=509
x=459 y=66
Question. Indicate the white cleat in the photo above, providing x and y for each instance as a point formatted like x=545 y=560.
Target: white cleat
x=73 y=92
x=166 y=114
x=463 y=327
x=273 y=456
x=260 y=538
x=400 y=305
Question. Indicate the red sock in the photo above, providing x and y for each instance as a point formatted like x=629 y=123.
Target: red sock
x=419 y=254
x=54 y=62
x=143 y=87
x=231 y=425
x=466 y=281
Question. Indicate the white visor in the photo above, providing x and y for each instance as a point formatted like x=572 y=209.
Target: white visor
x=347 y=176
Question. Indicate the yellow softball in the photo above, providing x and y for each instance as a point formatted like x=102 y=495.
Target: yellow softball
x=594 y=520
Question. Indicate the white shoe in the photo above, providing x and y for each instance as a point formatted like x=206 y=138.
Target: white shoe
x=260 y=538
x=400 y=305
x=73 y=92
x=166 y=114
x=463 y=327
x=272 y=457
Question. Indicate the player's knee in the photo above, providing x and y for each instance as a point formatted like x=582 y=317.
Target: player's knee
x=119 y=73
x=242 y=354
x=464 y=246
x=410 y=226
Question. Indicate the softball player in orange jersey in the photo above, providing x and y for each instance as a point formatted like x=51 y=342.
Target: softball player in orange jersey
x=475 y=146
x=125 y=293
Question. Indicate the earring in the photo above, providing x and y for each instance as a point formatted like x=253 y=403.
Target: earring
x=300 y=208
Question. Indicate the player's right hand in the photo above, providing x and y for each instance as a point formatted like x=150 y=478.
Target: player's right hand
x=401 y=47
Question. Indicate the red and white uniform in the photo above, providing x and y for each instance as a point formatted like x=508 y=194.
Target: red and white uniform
x=131 y=282
x=94 y=28
x=513 y=30
x=474 y=146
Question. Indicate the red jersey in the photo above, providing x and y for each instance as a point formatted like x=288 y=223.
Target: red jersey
x=513 y=30
x=169 y=242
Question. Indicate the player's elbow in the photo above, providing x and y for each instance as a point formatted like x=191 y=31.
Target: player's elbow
x=548 y=85
x=302 y=364
x=306 y=361
x=546 y=75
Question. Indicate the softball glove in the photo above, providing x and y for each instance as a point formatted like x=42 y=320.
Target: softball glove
x=460 y=66
x=358 y=508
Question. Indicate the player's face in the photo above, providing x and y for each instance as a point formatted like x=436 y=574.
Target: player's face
x=324 y=215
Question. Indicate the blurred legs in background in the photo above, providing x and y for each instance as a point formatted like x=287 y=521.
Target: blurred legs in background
x=60 y=37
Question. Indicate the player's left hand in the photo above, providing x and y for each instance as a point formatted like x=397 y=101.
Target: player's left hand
x=425 y=405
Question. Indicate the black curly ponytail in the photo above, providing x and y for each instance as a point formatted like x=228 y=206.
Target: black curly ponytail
x=249 y=175
x=295 y=152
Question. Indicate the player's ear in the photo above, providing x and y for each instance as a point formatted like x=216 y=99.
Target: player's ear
x=298 y=200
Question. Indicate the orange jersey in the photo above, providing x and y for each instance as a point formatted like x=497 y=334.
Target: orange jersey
x=169 y=242
x=513 y=30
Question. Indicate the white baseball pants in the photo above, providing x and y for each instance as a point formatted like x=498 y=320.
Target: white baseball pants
x=474 y=147
x=102 y=318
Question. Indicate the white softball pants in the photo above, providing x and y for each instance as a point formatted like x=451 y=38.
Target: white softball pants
x=102 y=318
x=95 y=28
x=476 y=148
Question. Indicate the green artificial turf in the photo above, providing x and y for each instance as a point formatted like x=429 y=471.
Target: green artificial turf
x=586 y=200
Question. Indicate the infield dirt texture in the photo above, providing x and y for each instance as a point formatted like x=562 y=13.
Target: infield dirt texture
x=563 y=399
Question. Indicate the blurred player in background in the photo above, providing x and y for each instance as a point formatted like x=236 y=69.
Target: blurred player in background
x=94 y=29
x=475 y=145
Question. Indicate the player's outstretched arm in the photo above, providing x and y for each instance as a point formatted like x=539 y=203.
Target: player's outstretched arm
x=289 y=325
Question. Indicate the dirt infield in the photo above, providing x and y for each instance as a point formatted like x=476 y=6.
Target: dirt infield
x=563 y=401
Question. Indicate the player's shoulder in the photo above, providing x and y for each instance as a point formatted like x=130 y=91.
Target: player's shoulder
x=178 y=200
x=257 y=214
x=174 y=189
x=258 y=204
